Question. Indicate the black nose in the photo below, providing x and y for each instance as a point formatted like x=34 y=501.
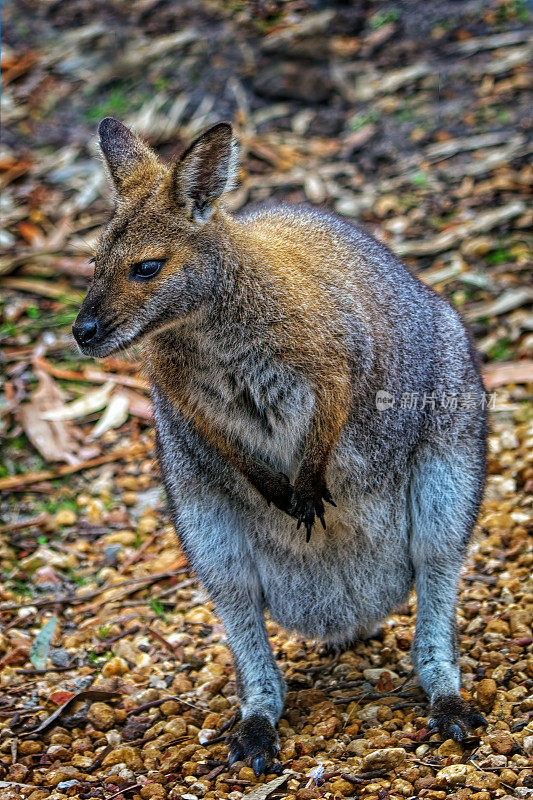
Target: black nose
x=85 y=332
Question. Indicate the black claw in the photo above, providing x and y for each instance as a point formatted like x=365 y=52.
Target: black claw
x=255 y=743
x=258 y=765
x=453 y=717
x=300 y=520
x=326 y=494
x=308 y=528
x=456 y=733
x=322 y=520
x=233 y=757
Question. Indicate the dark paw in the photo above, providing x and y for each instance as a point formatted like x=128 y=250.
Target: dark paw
x=281 y=492
x=453 y=718
x=276 y=488
x=256 y=742
x=306 y=505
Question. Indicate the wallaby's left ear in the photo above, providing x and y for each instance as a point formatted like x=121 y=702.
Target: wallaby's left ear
x=128 y=159
x=205 y=170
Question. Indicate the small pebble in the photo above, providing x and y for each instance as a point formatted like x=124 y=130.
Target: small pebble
x=65 y=517
x=501 y=742
x=387 y=758
x=452 y=775
x=101 y=716
x=60 y=657
x=115 y=666
x=112 y=552
x=486 y=693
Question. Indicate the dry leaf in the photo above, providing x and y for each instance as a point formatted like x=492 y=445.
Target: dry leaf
x=512 y=298
x=41 y=645
x=114 y=416
x=54 y=439
x=262 y=792
x=89 y=694
x=140 y=406
x=30 y=232
x=83 y=406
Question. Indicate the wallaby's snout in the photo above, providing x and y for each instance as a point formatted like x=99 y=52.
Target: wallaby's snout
x=85 y=331
x=91 y=328
x=101 y=326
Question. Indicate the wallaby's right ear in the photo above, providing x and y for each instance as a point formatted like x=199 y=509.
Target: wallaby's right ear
x=124 y=154
x=205 y=170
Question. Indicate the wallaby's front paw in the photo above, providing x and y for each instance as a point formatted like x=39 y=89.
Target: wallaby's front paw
x=308 y=503
x=278 y=490
x=453 y=717
x=256 y=742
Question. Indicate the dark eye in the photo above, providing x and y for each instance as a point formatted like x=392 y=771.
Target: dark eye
x=147 y=269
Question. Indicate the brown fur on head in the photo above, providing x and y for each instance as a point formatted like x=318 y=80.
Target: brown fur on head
x=153 y=263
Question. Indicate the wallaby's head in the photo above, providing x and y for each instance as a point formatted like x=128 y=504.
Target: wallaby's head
x=155 y=261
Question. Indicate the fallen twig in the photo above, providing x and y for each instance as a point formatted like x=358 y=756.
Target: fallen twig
x=33 y=671
x=509 y=300
x=363 y=777
x=73 y=599
x=100 y=648
x=485 y=221
x=45 y=289
x=127 y=789
x=138 y=554
x=156 y=703
x=36 y=522
x=16 y=482
x=171 y=649
x=88 y=694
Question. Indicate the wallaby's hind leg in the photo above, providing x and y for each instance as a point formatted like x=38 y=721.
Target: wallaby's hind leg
x=215 y=540
x=259 y=684
x=445 y=496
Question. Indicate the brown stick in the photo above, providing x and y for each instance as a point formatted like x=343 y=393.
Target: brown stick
x=127 y=789
x=77 y=599
x=138 y=554
x=15 y=482
x=36 y=522
x=100 y=648
x=90 y=375
x=156 y=703
x=44 y=671
x=161 y=639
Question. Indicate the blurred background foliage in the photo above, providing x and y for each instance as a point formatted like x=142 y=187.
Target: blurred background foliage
x=414 y=118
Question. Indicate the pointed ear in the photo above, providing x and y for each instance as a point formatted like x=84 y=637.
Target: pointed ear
x=124 y=154
x=205 y=170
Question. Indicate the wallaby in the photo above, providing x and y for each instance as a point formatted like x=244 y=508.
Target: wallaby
x=294 y=361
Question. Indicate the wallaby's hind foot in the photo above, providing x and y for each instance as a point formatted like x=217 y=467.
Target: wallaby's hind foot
x=453 y=717
x=256 y=742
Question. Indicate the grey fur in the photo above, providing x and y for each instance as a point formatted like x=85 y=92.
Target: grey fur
x=407 y=483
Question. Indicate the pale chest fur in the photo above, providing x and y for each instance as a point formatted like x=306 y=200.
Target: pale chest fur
x=248 y=394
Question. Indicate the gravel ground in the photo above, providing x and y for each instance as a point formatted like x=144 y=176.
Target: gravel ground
x=115 y=676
